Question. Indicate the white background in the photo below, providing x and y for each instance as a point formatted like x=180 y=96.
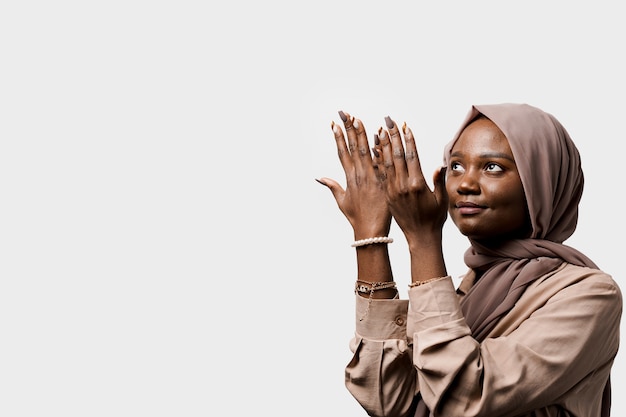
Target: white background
x=165 y=250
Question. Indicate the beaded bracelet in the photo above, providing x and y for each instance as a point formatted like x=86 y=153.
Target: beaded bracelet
x=371 y=240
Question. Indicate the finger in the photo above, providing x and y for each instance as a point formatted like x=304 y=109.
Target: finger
x=377 y=160
x=379 y=150
x=363 y=151
x=348 y=123
x=342 y=149
x=411 y=156
x=397 y=152
x=387 y=159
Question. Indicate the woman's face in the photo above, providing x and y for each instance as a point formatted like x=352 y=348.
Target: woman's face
x=487 y=201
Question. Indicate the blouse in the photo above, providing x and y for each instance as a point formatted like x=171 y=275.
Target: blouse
x=550 y=355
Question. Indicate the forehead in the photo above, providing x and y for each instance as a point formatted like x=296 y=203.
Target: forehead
x=482 y=135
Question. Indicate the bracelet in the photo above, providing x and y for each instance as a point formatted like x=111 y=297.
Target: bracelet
x=418 y=283
x=373 y=286
x=370 y=240
x=370 y=287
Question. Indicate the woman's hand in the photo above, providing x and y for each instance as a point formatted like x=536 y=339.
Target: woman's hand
x=363 y=201
x=419 y=212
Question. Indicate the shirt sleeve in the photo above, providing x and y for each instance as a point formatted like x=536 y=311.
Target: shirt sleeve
x=381 y=375
x=562 y=342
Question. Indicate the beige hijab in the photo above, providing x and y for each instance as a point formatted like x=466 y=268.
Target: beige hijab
x=550 y=169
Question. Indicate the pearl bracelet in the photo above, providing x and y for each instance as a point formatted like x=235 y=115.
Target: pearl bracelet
x=371 y=240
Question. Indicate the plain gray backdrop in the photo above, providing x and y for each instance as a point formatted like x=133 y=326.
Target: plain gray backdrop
x=165 y=248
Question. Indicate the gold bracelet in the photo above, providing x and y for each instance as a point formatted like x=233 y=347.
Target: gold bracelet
x=369 y=287
x=373 y=286
x=418 y=283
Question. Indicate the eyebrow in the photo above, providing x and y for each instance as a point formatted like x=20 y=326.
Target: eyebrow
x=488 y=155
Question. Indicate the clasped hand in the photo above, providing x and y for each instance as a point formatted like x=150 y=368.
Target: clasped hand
x=386 y=182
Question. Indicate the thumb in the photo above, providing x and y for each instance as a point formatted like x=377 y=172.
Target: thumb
x=439 y=181
x=333 y=185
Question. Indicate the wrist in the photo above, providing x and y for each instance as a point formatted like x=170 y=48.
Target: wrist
x=368 y=231
x=424 y=242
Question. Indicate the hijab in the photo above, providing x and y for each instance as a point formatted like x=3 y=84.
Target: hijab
x=550 y=169
x=549 y=166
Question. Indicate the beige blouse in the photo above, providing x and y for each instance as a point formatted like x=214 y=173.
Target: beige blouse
x=551 y=355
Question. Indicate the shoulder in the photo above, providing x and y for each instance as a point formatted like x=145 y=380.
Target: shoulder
x=580 y=274
x=573 y=279
x=567 y=294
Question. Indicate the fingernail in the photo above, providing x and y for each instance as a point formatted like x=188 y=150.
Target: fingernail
x=343 y=116
x=389 y=122
x=321 y=182
x=376 y=139
x=382 y=134
x=376 y=154
x=404 y=128
x=334 y=127
x=356 y=123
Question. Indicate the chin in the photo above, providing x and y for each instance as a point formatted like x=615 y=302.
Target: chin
x=470 y=232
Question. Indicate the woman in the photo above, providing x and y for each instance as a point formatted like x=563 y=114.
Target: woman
x=532 y=329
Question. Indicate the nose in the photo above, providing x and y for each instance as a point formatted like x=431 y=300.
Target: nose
x=468 y=183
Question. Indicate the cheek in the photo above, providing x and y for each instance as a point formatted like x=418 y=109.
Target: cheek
x=504 y=194
x=517 y=203
x=517 y=194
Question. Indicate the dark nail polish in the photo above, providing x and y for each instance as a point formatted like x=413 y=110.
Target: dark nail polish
x=376 y=139
x=321 y=182
x=389 y=122
x=376 y=154
x=343 y=116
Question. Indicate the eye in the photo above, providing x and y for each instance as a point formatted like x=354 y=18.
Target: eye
x=455 y=166
x=492 y=167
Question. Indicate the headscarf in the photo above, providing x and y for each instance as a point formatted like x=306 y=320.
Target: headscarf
x=550 y=170
x=549 y=166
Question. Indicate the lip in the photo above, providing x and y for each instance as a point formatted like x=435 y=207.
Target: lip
x=466 y=207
